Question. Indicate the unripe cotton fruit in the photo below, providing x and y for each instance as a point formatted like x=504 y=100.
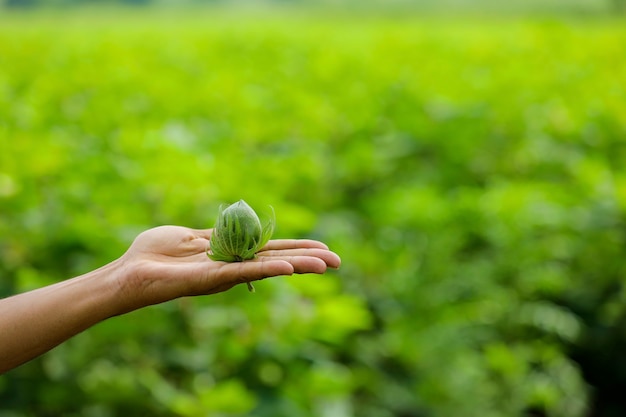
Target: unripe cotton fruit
x=238 y=234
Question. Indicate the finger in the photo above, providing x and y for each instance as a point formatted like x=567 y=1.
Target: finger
x=261 y=268
x=203 y=233
x=304 y=264
x=331 y=259
x=294 y=244
x=199 y=245
x=253 y=270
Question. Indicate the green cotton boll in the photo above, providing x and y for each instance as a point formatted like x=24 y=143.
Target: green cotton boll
x=238 y=234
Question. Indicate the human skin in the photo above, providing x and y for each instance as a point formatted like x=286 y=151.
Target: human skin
x=162 y=264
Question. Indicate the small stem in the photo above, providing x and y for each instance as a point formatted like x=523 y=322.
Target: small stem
x=250 y=287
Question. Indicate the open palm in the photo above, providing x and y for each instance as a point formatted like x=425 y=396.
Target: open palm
x=170 y=261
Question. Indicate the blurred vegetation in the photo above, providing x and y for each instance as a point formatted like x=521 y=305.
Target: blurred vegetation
x=469 y=172
x=517 y=7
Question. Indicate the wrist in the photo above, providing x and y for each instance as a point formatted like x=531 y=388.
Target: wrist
x=139 y=283
x=106 y=285
x=124 y=280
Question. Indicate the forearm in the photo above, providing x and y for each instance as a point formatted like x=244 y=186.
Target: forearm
x=34 y=322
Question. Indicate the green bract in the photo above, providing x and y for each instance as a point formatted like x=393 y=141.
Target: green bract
x=238 y=234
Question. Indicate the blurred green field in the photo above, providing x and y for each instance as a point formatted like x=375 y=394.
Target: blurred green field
x=470 y=172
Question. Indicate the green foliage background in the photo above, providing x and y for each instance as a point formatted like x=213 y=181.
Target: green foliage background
x=470 y=172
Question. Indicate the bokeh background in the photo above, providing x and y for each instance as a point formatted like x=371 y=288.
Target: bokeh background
x=466 y=160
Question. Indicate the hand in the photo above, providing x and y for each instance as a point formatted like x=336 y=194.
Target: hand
x=168 y=262
x=162 y=264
